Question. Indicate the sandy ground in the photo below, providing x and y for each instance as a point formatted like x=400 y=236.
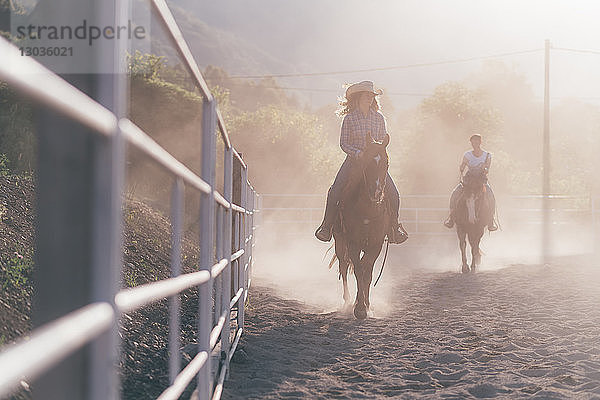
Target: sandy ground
x=511 y=331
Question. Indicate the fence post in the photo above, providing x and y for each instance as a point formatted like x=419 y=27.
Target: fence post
x=218 y=283
x=235 y=281
x=227 y=193
x=177 y=204
x=237 y=188
x=207 y=224
x=243 y=236
x=78 y=223
x=252 y=232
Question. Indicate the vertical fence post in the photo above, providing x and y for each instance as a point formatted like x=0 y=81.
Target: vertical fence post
x=243 y=236
x=546 y=215
x=219 y=248
x=236 y=245
x=252 y=195
x=78 y=223
x=259 y=221
x=237 y=232
x=227 y=193
x=207 y=224
x=177 y=205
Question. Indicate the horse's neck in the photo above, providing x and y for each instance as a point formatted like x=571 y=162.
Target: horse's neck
x=470 y=203
x=358 y=204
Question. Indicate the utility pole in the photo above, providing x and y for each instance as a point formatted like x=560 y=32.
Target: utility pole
x=546 y=160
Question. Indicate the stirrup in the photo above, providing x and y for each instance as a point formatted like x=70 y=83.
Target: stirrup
x=449 y=223
x=398 y=235
x=323 y=233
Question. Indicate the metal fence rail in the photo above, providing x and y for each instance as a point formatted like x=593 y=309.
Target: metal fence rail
x=306 y=210
x=422 y=215
x=225 y=272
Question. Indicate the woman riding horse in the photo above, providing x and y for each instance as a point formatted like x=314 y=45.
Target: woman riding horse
x=362 y=123
x=478 y=161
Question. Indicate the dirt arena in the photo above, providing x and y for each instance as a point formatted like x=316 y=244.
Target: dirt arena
x=513 y=331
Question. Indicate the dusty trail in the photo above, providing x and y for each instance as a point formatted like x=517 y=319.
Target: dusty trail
x=520 y=331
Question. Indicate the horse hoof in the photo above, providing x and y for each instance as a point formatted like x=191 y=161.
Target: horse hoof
x=360 y=312
x=347 y=308
x=465 y=269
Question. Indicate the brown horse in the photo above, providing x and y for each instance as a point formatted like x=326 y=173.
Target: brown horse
x=363 y=222
x=472 y=214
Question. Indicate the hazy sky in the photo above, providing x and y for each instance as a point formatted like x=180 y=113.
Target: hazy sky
x=324 y=35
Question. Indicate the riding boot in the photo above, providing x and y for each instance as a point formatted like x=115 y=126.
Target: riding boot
x=324 y=232
x=397 y=233
x=449 y=222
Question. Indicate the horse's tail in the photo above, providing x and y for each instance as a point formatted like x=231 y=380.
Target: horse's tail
x=350 y=265
x=328 y=250
x=332 y=260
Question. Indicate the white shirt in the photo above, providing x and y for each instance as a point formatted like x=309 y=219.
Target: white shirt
x=475 y=163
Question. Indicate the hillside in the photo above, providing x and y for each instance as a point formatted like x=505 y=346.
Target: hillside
x=144 y=362
x=211 y=45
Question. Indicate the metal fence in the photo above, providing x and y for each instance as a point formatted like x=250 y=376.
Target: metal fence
x=226 y=241
x=423 y=215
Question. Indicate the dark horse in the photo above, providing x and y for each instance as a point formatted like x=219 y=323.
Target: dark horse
x=363 y=222
x=472 y=214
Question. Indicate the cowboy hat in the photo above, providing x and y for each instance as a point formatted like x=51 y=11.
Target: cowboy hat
x=364 y=86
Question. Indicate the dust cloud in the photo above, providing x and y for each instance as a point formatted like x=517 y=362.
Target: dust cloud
x=296 y=266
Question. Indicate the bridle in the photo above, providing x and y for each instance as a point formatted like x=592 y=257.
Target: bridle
x=379 y=200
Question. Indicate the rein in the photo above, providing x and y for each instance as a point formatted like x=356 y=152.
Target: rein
x=387 y=246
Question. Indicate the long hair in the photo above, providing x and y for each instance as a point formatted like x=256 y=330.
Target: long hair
x=349 y=104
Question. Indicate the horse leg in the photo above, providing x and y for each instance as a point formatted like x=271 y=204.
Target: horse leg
x=368 y=261
x=462 y=236
x=344 y=266
x=474 y=240
x=341 y=251
x=360 y=310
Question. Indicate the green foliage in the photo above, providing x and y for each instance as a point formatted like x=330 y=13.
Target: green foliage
x=431 y=142
x=146 y=66
x=461 y=110
x=4 y=163
x=16 y=270
x=286 y=148
x=130 y=277
x=249 y=95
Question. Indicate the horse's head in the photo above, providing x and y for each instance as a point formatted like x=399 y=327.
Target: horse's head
x=375 y=166
x=474 y=181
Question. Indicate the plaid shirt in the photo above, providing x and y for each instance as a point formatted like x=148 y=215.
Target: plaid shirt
x=356 y=128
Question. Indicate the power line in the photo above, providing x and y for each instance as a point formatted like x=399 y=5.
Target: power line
x=576 y=50
x=327 y=90
x=409 y=94
x=396 y=67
